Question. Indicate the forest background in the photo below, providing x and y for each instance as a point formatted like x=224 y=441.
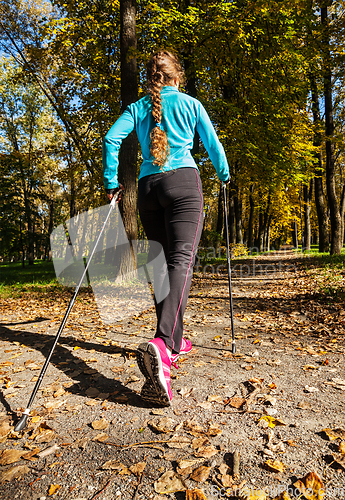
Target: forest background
x=269 y=73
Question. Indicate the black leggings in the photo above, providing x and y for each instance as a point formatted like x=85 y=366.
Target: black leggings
x=171 y=211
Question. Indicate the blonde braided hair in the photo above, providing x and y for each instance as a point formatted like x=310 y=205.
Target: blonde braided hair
x=162 y=69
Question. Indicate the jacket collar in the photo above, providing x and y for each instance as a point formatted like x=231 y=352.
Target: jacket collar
x=169 y=88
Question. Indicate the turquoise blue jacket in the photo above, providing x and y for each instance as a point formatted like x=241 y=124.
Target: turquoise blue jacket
x=182 y=115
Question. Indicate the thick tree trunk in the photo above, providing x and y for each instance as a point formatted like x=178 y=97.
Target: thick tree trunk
x=321 y=207
x=336 y=243
x=307 y=195
x=129 y=149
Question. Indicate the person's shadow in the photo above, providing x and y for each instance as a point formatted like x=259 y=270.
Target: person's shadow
x=78 y=368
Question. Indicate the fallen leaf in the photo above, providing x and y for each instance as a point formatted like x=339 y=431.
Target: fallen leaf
x=186 y=466
x=113 y=465
x=5 y=429
x=48 y=451
x=213 y=430
x=341 y=448
x=304 y=405
x=10 y=456
x=236 y=402
x=30 y=455
x=43 y=434
x=81 y=443
x=100 y=425
x=132 y=378
x=275 y=465
x=226 y=480
x=283 y=496
x=311 y=486
x=50 y=405
x=60 y=392
x=201 y=474
x=186 y=392
x=216 y=398
x=206 y=451
x=272 y=421
x=16 y=472
x=92 y=392
x=275 y=362
x=339 y=460
x=308 y=388
x=256 y=380
x=333 y=434
x=309 y=367
x=36 y=419
x=169 y=482
x=53 y=489
x=201 y=441
x=247 y=494
x=138 y=468
x=223 y=468
x=206 y=405
x=194 y=429
x=195 y=494
x=165 y=424
x=101 y=437
x=178 y=442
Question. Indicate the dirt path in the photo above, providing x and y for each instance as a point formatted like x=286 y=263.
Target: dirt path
x=289 y=369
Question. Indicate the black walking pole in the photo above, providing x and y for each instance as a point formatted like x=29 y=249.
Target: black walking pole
x=229 y=269
x=23 y=421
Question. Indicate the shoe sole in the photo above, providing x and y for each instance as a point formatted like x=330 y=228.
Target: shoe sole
x=150 y=365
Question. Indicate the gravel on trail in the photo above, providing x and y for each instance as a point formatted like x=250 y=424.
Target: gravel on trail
x=276 y=406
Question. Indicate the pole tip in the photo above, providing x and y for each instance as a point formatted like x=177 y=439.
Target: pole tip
x=233 y=348
x=22 y=423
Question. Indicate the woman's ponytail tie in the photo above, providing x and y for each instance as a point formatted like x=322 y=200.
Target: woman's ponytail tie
x=159 y=125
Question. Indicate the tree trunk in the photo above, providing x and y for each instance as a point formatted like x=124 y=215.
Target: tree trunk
x=50 y=227
x=320 y=202
x=342 y=210
x=336 y=243
x=295 y=234
x=307 y=195
x=251 y=219
x=129 y=149
x=220 y=217
x=238 y=217
x=232 y=224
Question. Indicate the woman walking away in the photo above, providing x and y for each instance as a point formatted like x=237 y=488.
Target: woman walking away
x=170 y=201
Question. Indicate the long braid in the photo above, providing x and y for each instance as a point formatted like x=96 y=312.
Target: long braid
x=162 y=68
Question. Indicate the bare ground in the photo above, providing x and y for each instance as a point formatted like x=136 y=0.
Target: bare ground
x=289 y=366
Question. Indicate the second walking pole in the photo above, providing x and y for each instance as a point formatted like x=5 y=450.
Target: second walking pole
x=229 y=268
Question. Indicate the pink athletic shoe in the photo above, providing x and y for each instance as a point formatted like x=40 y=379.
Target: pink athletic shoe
x=155 y=364
x=186 y=347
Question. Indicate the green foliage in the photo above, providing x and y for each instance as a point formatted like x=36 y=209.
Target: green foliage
x=250 y=63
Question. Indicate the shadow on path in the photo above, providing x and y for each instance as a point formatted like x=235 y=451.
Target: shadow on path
x=82 y=380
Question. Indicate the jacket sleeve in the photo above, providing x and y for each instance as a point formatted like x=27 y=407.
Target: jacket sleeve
x=212 y=144
x=111 y=147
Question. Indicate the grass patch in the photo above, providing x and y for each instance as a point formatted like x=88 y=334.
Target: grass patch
x=17 y=280
x=328 y=272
